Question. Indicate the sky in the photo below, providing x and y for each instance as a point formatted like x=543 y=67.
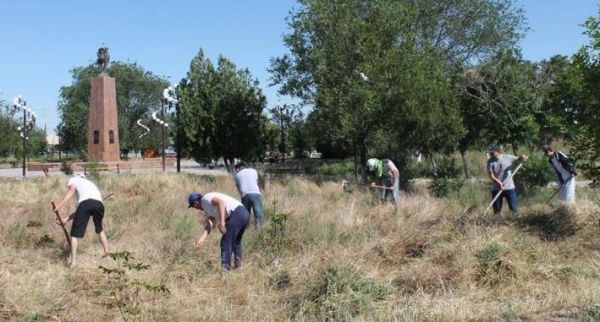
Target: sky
x=41 y=40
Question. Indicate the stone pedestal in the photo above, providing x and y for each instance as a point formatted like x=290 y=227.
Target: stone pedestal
x=103 y=127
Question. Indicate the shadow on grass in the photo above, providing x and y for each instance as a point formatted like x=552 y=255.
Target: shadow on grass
x=549 y=224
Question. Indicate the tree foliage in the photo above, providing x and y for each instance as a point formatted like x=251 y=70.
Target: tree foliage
x=221 y=111
x=379 y=74
x=139 y=93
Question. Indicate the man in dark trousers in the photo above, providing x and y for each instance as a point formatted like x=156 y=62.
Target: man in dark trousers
x=499 y=167
x=246 y=180
x=564 y=167
x=89 y=205
x=232 y=219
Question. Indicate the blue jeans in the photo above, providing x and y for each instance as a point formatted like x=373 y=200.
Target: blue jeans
x=253 y=202
x=385 y=193
x=511 y=198
x=231 y=241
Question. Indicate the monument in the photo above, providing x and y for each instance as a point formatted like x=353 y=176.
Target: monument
x=103 y=127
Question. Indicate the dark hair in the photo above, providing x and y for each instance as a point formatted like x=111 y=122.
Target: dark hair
x=239 y=165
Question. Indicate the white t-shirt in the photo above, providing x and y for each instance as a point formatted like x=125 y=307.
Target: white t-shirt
x=211 y=210
x=502 y=171
x=247 y=182
x=85 y=189
x=388 y=168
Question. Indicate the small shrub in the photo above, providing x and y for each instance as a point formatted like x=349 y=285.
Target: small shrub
x=277 y=237
x=184 y=227
x=280 y=280
x=339 y=169
x=442 y=187
x=338 y=294
x=536 y=174
x=127 y=293
x=493 y=268
x=66 y=167
x=93 y=170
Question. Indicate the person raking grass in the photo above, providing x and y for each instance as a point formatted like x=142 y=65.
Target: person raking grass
x=232 y=219
x=89 y=204
x=564 y=166
x=499 y=168
x=387 y=175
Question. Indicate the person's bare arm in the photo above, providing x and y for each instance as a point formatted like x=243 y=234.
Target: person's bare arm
x=207 y=229
x=494 y=179
x=70 y=193
x=395 y=174
x=220 y=204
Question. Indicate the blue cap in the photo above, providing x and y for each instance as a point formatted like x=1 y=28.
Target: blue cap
x=546 y=148
x=194 y=196
x=494 y=148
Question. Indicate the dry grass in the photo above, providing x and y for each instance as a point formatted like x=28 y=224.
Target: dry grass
x=343 y=257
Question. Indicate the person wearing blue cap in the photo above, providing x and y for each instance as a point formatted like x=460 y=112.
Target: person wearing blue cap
x=499 y=168
x=231 y=217
x=564 y=166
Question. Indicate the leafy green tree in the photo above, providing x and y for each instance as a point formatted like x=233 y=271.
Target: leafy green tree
x=503 y=95
x=368 y=66
x=139 y=93
x=221 y=111
x=11 y=143
x=586 y=128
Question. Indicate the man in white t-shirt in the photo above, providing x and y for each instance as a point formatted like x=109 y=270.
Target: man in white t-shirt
x=232 y=218
x=246 y=180
x=89 y=204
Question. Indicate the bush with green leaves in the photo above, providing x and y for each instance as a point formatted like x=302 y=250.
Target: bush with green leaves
x=128 y=294
x=339 y=294
x=493 y=268
x=340 y=169
x=535 y=174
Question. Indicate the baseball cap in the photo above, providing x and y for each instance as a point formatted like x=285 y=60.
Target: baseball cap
x=371 y=164
x=494 y=148
x=546 y=148
x=194 y=196
x=79 y=175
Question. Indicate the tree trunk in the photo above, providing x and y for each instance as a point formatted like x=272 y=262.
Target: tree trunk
x=433 y=165
x=464 y=162
x=363 y=160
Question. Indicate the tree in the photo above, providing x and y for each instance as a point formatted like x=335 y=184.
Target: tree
x=586 y=127
x=221 y=111
x=139 y=93
x=367 y=66
x=11 y=143
x=503 y=96
x=283 y=116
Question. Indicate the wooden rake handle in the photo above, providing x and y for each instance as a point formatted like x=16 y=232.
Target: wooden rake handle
x=500 y=192
x=61 y=224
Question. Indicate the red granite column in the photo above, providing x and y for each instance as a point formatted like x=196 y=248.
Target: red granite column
x=103 y=128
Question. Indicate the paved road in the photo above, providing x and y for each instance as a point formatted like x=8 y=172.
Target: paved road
x=187 y=166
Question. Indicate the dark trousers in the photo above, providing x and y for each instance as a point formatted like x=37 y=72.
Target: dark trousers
x=511 y=198
x=231 y=241
x=254 y=201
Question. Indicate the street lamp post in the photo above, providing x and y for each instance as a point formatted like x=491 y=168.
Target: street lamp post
x=170 y=101
x=28 y=123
